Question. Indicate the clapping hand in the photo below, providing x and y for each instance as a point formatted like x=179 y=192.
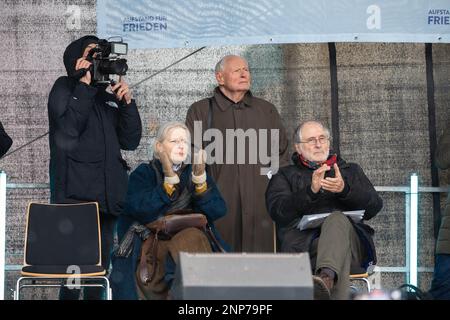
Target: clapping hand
x=335 y=184
x=166 y=163
x=198 y=168
x=317 y=177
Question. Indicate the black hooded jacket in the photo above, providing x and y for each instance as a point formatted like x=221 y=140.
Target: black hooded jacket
x=88 y=127
x=289 y=197
x=5 y=141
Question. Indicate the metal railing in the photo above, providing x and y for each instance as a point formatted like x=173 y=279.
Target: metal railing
x=411 y=193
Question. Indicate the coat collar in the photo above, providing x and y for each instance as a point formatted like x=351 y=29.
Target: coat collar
x=295 y=159
x=183 y=172
x=225 y=103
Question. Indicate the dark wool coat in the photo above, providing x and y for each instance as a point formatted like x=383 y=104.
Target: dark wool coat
x=289 y=197
x=443 y=162
x=146 y=201
x=247 y=225
x=88 y=127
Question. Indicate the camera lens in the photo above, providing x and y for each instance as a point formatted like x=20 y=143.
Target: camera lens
x=118 y=67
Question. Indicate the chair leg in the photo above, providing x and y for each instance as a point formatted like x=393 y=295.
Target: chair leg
x=106 y=286
x=108 y=289
x=366 y=281
x=17 y=291
x=369 y=288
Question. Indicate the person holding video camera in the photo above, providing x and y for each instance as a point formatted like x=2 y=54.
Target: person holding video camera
x=322 y=182
x=90 y=122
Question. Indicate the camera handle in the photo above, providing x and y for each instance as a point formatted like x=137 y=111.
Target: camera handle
x=113 y=83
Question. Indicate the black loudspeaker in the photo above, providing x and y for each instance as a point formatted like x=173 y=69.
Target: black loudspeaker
x=231 y=276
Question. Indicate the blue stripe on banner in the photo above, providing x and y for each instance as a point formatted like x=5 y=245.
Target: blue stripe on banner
x=195 y=23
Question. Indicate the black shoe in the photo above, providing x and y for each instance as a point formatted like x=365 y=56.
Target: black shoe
x=321 y=291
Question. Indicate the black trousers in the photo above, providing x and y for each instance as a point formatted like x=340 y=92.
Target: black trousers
x=107 y=227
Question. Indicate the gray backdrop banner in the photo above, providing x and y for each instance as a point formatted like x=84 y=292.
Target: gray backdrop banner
x=194 y=23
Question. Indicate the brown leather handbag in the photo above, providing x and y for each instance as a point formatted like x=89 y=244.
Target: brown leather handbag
x=165 y=228
x=168 y=226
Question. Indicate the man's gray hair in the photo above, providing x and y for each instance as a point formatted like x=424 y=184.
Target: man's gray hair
x=221 y=64
x=163 y=131
x=298 y=130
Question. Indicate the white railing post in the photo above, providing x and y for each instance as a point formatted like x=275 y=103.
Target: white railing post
x=413 y=229
x=2 y=233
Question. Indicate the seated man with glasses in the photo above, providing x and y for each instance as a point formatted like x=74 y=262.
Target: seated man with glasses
x=320 y=182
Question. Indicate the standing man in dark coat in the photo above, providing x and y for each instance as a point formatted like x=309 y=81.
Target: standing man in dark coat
x=5 y=141
x=232 y=108
x=88 y=127
x=440 y=286
x=308 y=187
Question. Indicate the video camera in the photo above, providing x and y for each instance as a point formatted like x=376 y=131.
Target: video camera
x=105 y=60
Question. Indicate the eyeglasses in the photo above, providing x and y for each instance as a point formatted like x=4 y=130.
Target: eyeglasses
x=313 y=141
x=179 y=142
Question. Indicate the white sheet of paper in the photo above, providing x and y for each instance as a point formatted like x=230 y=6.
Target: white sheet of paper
x=309 y=221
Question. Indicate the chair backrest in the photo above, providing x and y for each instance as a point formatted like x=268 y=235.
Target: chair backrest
x=62 y=234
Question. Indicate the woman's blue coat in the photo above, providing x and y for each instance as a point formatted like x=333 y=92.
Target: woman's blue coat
x=146 y=201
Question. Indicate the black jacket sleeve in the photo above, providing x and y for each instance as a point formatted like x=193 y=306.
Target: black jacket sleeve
x=130 y=126
x=286 y=205
x=5 y=141
x=283 y=204
x=69 y=108
x=361 y=193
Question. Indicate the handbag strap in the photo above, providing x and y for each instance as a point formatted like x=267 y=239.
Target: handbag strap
x=146 y=275
x=213 y=238
x=210 y=113
x=208 y=126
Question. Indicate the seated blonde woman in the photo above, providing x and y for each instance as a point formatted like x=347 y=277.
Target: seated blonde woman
x=166 y=184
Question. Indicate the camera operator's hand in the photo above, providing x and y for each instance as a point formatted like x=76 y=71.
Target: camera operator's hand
x=121 y=90
x=82 y=63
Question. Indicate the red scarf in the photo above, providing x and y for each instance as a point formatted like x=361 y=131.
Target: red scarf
x=332 y=159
